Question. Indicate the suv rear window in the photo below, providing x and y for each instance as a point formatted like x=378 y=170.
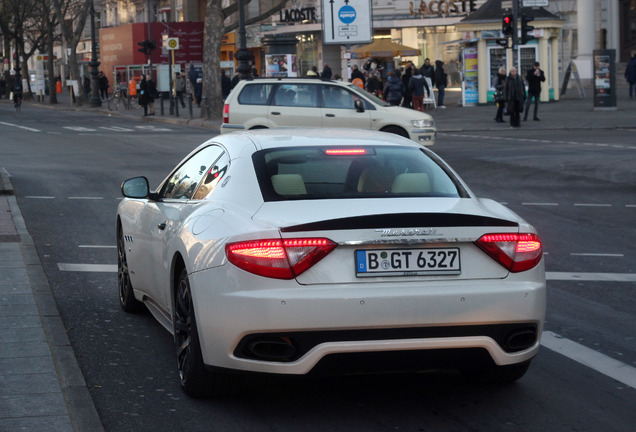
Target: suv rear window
x=361 y=172
x=255 y=94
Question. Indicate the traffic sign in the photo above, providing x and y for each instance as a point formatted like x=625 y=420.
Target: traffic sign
x=172 y=43
x=347 y=22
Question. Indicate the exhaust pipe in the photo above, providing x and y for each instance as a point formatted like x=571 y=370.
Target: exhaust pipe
x=521 y=339
x=272 y=349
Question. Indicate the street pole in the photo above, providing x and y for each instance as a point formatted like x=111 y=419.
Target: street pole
x=515 y=34
x=149 y=38
x=94 y=64
x=243 y=54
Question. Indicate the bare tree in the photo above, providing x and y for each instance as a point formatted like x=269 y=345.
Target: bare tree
x=215 y=16
x=72 y=17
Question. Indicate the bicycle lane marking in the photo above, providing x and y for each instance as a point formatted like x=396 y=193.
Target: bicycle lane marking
x=21 y=127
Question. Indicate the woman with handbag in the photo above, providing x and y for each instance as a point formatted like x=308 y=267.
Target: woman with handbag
x=500 y=80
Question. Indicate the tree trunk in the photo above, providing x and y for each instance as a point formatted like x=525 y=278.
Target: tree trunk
x=212 y=105
x=50 y=65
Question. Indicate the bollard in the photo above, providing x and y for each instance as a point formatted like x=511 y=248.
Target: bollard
x=171 y=104
x=161 y=99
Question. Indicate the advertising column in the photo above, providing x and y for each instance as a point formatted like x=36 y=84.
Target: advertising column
x=470 y=85
x=604 y=79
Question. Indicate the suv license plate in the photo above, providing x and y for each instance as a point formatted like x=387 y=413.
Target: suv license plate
x=407 y=262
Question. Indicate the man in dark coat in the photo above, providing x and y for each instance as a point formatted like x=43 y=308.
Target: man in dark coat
x=514 y=95
x=356 y=73
x=441 y=81
x=373 y=85
x=417 y=84
x=394 y=89
x=630 y=74
x=427 y=70
x=326 y=72
x=534 y=77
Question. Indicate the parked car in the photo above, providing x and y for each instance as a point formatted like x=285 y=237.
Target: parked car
x=289 y=250
x=310 y=102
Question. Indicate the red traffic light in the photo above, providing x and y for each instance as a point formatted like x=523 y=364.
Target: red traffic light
x=508 y=25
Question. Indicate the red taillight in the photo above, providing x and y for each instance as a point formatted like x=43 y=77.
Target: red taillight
x=516 y=252
x=276 y=258
x=226 y=113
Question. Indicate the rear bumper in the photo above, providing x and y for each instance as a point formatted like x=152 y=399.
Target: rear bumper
x=360 y=318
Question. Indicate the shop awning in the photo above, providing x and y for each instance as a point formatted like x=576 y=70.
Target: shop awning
x=383 y=48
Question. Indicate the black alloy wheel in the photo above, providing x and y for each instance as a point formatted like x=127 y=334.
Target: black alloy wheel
x=196 y=381
x=127 y=299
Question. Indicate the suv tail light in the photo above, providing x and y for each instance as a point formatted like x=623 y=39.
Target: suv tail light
x=516 y=252
x=276 y=258
x=226 y=113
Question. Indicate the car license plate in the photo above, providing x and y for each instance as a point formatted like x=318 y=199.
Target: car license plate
x=407 y=262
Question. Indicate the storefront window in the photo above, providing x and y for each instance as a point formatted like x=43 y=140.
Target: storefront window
x=497 y=59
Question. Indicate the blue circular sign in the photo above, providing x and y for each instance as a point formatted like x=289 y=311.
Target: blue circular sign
x=347 y=14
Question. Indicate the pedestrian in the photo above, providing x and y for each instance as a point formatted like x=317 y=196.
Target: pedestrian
x=179 y=87
x=147 y=91
x=3 y=85
x=132 y=89
x=500 y=80
x=357 y=73
x=417 y=84
x=313 y=72
x=326 y=72
x=535 y=77
x=407 y=100
x=226 y=85
x=193 y=75
x=427 y=70
x=87 y=87
x=394 y=89
x=102 y=83
x=441 y=81
x=235 y=80
x=514 y=95
x=254 y=72
x=373 y=84
x=630 y=74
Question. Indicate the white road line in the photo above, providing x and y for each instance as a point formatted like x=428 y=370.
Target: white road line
x=80 y=129
x=630 y=205
x=588 y=357
x=540 y=204
x=4 y=170
x=85 y=198
x=614 y=255
x=117 y=128
x=39 y=197
x=591 y=205
x=21 y=127
x=591 y=277
x=108 y=268
x=98 y=246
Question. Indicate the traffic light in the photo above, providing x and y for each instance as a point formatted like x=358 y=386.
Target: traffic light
x=147 y=46
x=525 y=28
x=508 y=24
x=144 y=47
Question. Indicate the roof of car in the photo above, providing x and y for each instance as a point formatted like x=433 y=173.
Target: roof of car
x=283 y=137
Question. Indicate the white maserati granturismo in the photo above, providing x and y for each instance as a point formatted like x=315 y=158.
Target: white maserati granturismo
x=289 y=251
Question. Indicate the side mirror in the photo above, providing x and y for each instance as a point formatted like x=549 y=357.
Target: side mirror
x=359 y=105
x=136 y=187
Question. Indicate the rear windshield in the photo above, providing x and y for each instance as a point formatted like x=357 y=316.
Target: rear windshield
x=363 y=172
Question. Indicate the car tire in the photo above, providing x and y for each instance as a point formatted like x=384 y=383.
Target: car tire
x=127 y=299
x=497 y=374
x=196 y=380
x=258 y=127
x=396 y=130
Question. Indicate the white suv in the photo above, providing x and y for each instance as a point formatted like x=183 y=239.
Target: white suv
x=311 y=102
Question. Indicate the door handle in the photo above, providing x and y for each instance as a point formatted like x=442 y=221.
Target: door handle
x=162 y=226
x=330 y=115
x=275 y=113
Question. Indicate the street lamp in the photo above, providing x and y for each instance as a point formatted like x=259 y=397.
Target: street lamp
x=94 y=64
x=243 y=54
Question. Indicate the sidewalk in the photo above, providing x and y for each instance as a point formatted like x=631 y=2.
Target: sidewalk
x=571 y=112
x=41 y=385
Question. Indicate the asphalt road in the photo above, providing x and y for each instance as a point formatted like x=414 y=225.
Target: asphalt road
x=577 y=188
